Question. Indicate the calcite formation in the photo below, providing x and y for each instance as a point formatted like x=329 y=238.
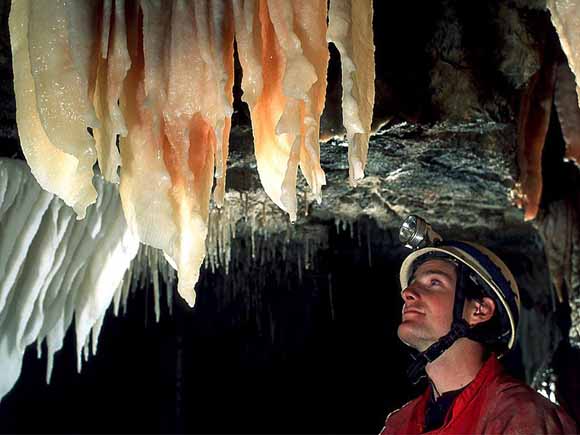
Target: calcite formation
x=55 y=268
x=158 y=77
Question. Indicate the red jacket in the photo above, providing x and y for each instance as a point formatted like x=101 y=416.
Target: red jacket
x=492 y=403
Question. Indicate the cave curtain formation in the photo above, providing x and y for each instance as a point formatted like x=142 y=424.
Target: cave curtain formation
x=160 y=80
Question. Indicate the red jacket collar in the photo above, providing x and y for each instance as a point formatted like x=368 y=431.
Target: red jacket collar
x=490 y=369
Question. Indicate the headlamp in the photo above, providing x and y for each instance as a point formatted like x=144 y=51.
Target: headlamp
x=416 y=233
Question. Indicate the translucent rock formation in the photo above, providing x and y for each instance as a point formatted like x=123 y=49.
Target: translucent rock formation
x=157 y=77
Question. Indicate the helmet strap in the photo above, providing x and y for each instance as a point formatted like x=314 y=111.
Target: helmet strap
x=459 y=328
x=459 y=300
x=416 y=370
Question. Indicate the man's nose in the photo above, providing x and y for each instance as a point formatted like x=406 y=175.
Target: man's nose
x=409 y=294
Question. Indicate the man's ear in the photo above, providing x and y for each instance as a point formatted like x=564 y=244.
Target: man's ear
x=479 y=311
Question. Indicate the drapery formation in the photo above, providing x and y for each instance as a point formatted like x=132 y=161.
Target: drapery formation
x=144 y=88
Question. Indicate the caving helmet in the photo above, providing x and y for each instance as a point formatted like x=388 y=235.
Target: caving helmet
x=477 y=268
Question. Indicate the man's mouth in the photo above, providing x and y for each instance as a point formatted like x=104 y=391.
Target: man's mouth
x=411 y=310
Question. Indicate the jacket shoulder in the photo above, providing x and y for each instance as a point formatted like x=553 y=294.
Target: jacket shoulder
x=399 y=417
x=518 y=409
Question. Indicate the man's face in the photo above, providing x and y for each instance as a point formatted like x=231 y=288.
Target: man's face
x=428 y=304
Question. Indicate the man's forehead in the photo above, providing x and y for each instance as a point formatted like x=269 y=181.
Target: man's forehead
x=437 y=265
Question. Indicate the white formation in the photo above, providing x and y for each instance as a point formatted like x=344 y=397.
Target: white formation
x=157 y=76
x=55 y=267
x=47 y=93
x=350 y=30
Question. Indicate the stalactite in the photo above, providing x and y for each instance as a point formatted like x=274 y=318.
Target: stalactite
x=369 y=245
x=95 y=333
x=350 y=30
x=125 y=290
x=299 y=267
x=330 y=297
x=533 y=121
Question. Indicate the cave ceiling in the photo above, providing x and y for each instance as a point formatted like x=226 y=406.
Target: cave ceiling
x=445 y=142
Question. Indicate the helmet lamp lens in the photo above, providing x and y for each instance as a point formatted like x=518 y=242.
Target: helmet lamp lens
x=412 y=232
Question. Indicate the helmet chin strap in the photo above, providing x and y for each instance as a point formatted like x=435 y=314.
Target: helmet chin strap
x=459 y=328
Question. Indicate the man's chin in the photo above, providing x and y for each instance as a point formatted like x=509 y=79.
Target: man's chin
x=405 y=336
x=410 y=339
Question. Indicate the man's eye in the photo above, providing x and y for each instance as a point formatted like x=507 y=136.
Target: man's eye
x=435 y=282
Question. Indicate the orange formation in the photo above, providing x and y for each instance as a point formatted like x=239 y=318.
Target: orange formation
x=158 y=75
x=553 y=81
x=283 y=52
x=179 y=90
x=533 y=122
